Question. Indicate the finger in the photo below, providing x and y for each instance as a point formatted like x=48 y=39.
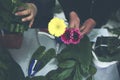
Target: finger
x=28 y=18
x=71 y=24
x=74 y=24
x=86 y=30
x=74 y=20
x=21 y=8
x=24 y=12
x=82 y=28
x=77 y=25
x=31 y=23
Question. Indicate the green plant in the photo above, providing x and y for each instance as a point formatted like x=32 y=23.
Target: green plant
x=8 y=21
x=74 y=62
x=110 y=52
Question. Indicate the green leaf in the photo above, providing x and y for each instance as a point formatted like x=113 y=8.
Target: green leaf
x=90 y=78
x=81 y=52
x=116 y=57
x=87 y=70
x=43 y=56
x=7 y=16
x=47 y=55
x=77 y=75
x=38 y=52
x=84 y=70
x=67 y=64
x=52 y=75
x=85 y=51
x=112 y=52
x=92 y=70
x=3 y=66
x=9 y=70
x=64 y=74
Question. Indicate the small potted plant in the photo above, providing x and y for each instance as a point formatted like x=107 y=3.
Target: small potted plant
x=108 y=48
x=11 y=26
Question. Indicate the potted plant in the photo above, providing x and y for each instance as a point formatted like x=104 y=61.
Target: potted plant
x=11 y=26
x=108 y=48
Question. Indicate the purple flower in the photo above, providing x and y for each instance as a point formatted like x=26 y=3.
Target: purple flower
x=76 y=35
x=71 y=36
x=66 y=38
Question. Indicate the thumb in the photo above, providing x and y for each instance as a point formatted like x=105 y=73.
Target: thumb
x=31 y=23
x=72 y=24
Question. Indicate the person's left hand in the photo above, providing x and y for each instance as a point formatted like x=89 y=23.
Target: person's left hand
x=30 y=11
x=74 y=20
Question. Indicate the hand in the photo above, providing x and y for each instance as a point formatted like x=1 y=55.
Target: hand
x=30 y=11
x=74 y=20
x=87 y=26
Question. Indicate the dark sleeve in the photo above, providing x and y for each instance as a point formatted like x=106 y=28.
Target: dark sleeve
x=81 y=7
x=68 y=6
x=36 y=2
x=102 y=11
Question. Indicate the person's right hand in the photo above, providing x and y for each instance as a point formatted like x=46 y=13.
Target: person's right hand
x=87 y=26
x=30 y=11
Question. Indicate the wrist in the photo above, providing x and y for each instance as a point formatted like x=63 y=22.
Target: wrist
x=33 y=8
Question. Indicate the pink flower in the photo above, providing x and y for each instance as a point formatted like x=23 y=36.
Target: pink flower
x=71 y=36
x=66 y=36
x=76 y=35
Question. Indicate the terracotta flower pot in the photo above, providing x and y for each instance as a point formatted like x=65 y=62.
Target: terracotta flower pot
x=12 y=41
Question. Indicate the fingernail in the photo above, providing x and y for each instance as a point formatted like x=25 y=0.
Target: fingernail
x=23 y=20
x=29 y=26
x=16 y=14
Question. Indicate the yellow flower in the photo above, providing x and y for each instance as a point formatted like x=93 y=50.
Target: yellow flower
x=56 y=27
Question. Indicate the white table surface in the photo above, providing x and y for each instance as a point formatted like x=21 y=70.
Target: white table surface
x=30 y=43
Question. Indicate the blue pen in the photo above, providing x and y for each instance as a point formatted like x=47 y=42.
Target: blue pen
x=33 y=67
x=35 y=63
x=30 y=67
x=36 y=68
